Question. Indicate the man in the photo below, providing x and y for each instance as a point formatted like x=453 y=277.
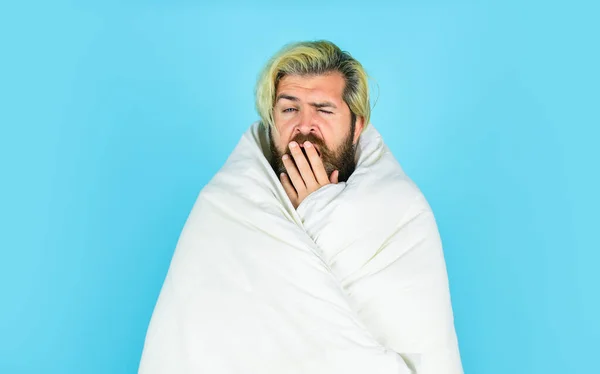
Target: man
x=310 y=251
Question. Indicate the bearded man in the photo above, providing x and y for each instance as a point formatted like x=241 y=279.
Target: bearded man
x=310 y=251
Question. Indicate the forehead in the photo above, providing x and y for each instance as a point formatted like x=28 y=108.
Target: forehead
x=327 y=86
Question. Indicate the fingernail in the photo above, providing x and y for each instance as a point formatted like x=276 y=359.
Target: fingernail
x=285 y=157
x=307 y=144
x=293 y=144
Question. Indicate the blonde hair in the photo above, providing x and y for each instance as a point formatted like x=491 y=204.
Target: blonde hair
x=313 y=58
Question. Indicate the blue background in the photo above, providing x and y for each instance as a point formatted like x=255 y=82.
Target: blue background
x=114 y=115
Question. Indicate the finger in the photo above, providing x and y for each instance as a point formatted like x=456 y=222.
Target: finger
x=293 y=174
x=303 y=166
x=335 y=176
x=316 y=163
x=287 y=186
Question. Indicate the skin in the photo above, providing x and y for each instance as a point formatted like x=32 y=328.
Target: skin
x=311 y=115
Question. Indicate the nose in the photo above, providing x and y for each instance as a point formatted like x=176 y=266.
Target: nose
x=307 y=124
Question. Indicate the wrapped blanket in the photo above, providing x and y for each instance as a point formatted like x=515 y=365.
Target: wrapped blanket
x=353 y=281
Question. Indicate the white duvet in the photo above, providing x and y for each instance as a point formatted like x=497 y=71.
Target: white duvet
x=353 y=281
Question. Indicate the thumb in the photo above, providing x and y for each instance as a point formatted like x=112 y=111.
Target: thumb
x=334 y=176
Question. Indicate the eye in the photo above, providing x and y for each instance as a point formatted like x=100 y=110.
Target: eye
x=324 y=111
x=288 y=109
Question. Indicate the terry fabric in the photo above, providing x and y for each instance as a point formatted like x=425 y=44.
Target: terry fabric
x=353 y=281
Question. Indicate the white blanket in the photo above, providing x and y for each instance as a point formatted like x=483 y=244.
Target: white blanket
x=353 y=281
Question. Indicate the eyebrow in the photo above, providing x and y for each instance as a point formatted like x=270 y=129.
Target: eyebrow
x=324 y=104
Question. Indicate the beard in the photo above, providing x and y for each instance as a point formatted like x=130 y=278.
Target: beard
x=342 y=158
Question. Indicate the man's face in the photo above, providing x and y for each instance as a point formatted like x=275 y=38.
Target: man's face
x=312 y=108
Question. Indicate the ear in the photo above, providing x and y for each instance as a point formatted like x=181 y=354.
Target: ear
x=360 y=125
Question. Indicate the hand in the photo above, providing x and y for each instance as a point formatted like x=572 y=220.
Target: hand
x=299 y=184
